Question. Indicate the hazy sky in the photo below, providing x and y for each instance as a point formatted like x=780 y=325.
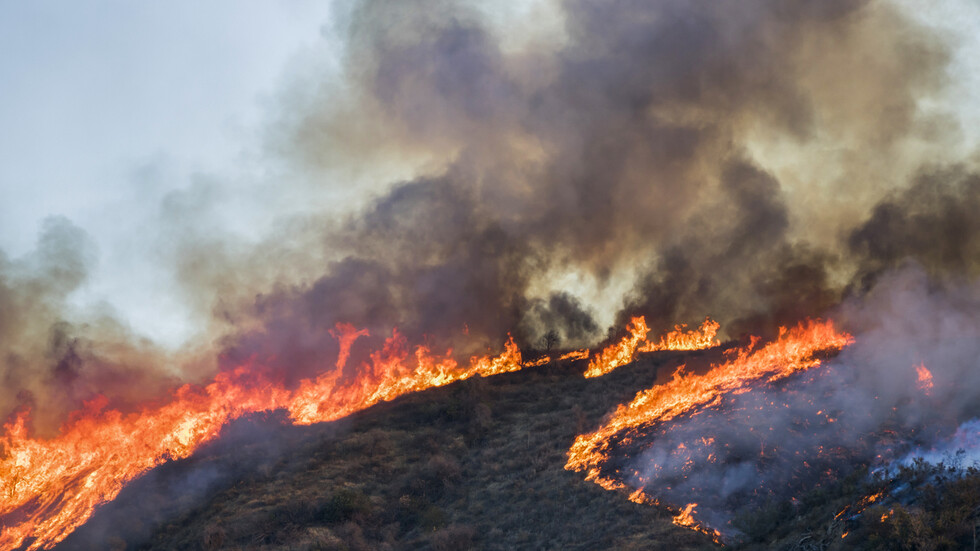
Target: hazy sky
x=108 y=106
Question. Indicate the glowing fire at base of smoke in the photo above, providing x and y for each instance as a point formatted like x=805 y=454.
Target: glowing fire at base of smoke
x=685 y=519
x=925 y=378
x=623 y=352
x=52 y=486
x=793 y=351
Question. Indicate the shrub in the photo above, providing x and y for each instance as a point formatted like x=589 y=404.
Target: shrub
x=345 y=504
x=432 y=518
x=214 y=537
x=453 y=538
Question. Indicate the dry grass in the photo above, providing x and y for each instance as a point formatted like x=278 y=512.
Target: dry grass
x=478 y=464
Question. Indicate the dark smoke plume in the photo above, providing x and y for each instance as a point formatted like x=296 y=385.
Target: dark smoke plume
x=624 y=151
x=559 y=183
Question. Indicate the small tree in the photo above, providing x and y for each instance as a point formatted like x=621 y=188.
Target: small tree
x=550 y=340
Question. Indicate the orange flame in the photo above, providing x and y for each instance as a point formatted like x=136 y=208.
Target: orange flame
x=679 y=339
x=793 y=351
x=49 y=487
x=620 y=353
x=624 y=352
x=346 y=334
x=925 y=378
x=575 y=355
x=685 y=518
x=538 y=362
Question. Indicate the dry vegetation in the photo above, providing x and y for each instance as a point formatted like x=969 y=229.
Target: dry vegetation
x=479 y=465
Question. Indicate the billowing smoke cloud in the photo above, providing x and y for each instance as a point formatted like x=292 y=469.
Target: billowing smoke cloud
x=933 y=222
x=623 y=150
x=48 y=361
x=563 y=183
x=902 y=390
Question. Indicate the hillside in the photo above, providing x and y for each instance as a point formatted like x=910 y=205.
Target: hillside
x=477 y=464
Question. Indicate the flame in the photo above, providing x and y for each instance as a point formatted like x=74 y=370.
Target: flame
x=679 y=339
x=685 y=518
x=49 y=487
x=575 y=355
x=793 y=351
x=620 y=353
x=925 y=378
x=861 y=505
x=538 y=362
x=623 y=352
x=346 y=334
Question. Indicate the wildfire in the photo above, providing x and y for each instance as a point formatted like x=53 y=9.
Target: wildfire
x=680 y=339
x=685 y=518
x=538 y=362
x=925 y=378
x=575 y=355
x=623 y=352
x=793 y=351
x=52 y=486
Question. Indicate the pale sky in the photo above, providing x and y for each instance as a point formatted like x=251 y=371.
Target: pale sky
x=109 y=105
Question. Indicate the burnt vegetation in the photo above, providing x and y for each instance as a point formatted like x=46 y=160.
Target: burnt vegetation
x=925 y=507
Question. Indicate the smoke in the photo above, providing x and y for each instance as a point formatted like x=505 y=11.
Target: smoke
x=628 y=149
x=52 y=358
x=869 y=407
x=253 y=447
x=960 y=450
x=932 y=222
x=745 y=160
x=758 y=161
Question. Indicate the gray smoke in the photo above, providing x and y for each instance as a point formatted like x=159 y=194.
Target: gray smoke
x=624 y=149
x=865 y=408
x=633 y=152
x=49 y=361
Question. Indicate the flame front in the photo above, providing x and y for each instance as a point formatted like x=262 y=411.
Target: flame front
x=623 y=352
x=793 y=351
x=52 y=486
x=685 y=518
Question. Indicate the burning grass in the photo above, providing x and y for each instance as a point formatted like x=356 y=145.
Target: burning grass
x=477 y=463
x=764 y=451
x=52 y=486
x=483 y=462
x=794 y=351
x=623 y=352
